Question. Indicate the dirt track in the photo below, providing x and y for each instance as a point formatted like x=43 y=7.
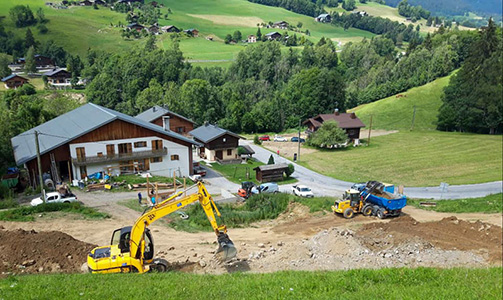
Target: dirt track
x=298 y=240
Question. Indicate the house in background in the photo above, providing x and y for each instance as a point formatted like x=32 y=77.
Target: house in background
x=170 y=28
x=252 y=39
x=218 y=144
x=347 y=121
x=41 y=61
x=167 y=119
x=135 y=26
x=280 y=25
x=59 y=78
x=154 y=29
x=192 y=32
x=273 y=35
x=14 y=81
x=85 y=3
x=92 y=139
x=323 y=18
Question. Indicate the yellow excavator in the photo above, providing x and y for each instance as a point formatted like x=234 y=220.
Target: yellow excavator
x=132 y=247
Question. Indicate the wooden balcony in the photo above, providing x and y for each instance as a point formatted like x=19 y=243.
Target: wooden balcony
x=88 y=160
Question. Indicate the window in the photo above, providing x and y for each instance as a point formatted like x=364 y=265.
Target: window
x=83 y=172
x=110 y=150
x=100 y=154
x=175 y=157
x=180 y=129
x=156 y=159
x=157 y=145
x=125 y=148
x=229 y=152
x=140 y=144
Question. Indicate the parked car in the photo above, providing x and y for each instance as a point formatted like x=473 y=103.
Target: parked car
x=264 y=138
x=54 y=197
x=268 y=188
x=278 y=138
x=302 y=191
x=199 y=170
x=295 y=139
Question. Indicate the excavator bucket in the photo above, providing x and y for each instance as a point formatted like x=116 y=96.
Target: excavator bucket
x=226 y=250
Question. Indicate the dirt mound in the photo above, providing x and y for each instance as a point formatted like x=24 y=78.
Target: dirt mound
x=294 y=210
x=448 y=234
x=41 y=252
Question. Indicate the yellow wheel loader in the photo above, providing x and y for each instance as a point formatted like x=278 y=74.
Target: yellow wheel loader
x=132 y=247
x=350 y=204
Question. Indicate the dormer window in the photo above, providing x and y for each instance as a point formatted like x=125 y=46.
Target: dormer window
x=225 y=140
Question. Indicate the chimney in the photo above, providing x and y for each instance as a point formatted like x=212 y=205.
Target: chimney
x=336 y=111
x=206 y=123
x=154 y=109
x=353 y=116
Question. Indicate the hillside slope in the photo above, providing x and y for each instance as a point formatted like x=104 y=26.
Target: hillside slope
x=395 y=112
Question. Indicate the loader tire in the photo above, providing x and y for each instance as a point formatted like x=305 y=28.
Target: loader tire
x=367 y=210
x=348 y=213
x=380 y=214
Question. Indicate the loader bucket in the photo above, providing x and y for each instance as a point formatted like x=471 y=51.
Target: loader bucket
x=226 y=249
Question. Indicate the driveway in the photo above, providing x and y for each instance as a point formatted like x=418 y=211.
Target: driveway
x=327 y=186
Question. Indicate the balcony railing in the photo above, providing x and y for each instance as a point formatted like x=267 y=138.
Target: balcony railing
x=119 y=157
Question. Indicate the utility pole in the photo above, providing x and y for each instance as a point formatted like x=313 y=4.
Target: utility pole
x=413 y=118
x=39 y=163
x=298 y=151
x=370 y=130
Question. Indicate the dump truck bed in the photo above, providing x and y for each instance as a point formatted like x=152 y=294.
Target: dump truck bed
x=387 y=200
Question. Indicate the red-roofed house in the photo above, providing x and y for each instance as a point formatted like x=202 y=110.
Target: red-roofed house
x=346 y=121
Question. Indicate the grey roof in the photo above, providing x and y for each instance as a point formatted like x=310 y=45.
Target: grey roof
x=247 y=150
x=209 y=132
x=12 y=76
x=323 y=15
x=156 y=112
x=272 y=33
x=70 y=126
x=271 y=167
x=55 y=71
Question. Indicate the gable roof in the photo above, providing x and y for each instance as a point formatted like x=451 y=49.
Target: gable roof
x=271 y=167
x=158 y=111
x=272 y=33
x=344 y=120
x=55 y=71
x=72 y=125
x=12 y=76
x=323 y=16
x=209 y=132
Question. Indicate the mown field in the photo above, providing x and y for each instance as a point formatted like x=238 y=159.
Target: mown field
x=420 y=283
x=79 y=28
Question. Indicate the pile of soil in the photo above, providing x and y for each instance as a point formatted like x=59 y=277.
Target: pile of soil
x=448 y=234
x=41 y=252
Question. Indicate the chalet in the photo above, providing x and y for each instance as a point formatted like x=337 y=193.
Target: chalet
x=167 y=119
x=99 y=2
x=41 y=61
x=14 y=81
x=131 y=1
x=85 y=3
x=361 y=13
x=347 y=121
x=323 y=18
x=280 y=25
x=135 y=26
x=269 y=173
x=218 y=144
x=273 y=35
x=252 y=39
x=192 y=32
x=59 y=78
x=92 y=139
x=154 y=29
x=170 y=28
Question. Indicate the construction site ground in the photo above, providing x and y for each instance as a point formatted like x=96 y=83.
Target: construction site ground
x=296 y=240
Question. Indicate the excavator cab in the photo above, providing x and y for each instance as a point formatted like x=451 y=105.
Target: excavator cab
x=121 y=237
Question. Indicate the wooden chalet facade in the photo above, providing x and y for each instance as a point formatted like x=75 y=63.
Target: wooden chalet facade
x=218 y=144
x=167 y=119
x=280 y=25
x=94 y=139
x=192 y=32
x=59 y=78
x=41 y=61
x=273 y=35
x=269 y=173
x=347 y=121
x=170 y=28
x=135 y=26
x=14 y=81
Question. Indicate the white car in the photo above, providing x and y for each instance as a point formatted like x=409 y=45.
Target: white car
x=279 y=138
x=54 y=197
x=302 y=191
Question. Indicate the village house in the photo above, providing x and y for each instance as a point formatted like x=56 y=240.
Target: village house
x=14 y=81
x=270 y=173
x=280 y=25
x=192 y=32
x=135 y=26
x=218 y=144
x=99 y=2
x=41 y=61
x=85 y=3
x=347 y=121
x=323 y=18
x=93 y=138
x=273 y=35
x=154 y=29
x=167 y=119
x=59 y=78
x=361 y=13
x=170 y=28
x=252 y=39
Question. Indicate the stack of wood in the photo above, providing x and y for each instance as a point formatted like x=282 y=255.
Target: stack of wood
x=151 y=185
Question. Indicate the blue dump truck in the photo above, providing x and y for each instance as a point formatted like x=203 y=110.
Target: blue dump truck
x=371 y=199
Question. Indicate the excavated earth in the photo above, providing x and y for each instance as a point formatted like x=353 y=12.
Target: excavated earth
x=40 y=252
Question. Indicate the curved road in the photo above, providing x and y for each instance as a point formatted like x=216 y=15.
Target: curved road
x=327 y=186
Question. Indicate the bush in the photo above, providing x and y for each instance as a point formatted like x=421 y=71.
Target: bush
x=271 y=160
x=256 y=140
x=290 y=170
x=25 y=213
x=329 y=134
x=8 y=203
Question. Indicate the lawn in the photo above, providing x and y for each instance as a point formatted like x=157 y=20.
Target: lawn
x=27 y=213
x=394 y=113
x=238 y=173
x=388 y=283
x=488 y=204
x=415 y=159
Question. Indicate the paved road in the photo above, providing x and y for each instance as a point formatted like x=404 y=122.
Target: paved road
x=327 y=186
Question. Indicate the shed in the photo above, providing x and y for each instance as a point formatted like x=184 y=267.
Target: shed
x=268 y=173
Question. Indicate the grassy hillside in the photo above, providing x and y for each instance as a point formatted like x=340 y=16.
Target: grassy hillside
x=80 y=28
x=395 y=113
x=420 y=283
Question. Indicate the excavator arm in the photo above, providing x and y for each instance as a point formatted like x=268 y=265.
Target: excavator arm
x=226 y=249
